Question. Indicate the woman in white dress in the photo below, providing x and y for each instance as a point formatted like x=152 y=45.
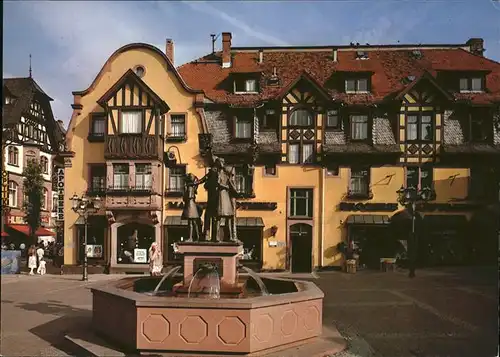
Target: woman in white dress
x=155 y=260
x=32 y=259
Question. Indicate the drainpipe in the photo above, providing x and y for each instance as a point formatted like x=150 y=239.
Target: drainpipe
x=322 y=226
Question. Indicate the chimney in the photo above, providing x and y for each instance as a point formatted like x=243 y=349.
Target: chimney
x=476 y=46
x=334 y=55
x=226 y=49
x=261 y=56
x=169 y=50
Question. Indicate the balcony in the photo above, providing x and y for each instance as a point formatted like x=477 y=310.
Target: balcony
x=133 y=198
x=133 y=146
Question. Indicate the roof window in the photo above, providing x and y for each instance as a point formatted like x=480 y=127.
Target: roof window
x=363 y=55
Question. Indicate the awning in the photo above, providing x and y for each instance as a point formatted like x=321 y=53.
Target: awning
x=372 y=219
x=97 y=220
x=240 y=221
x=25 y=229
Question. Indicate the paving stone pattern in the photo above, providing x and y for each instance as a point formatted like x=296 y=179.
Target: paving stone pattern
x=442 y=312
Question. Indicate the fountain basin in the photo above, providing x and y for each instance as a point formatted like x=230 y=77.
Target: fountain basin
x=141 y=322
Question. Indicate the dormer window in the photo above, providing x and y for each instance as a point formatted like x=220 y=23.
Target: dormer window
x=356 y=85
x=471 y=84
x=245 y=85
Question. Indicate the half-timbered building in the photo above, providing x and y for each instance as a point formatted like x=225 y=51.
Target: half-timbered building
x=29 y=132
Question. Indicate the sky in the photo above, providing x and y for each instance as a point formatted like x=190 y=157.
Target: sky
x=70 y=41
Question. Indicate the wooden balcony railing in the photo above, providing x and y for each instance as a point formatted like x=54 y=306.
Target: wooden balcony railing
x=131 y=146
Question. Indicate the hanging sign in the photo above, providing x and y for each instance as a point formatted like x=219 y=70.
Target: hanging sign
x=5 y=188
x=60 y=194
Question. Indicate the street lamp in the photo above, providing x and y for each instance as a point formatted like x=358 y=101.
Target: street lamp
x=85 y=206
x=408 y=197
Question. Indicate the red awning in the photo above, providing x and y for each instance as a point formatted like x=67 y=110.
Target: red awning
x=4 y=234
x=25 y=229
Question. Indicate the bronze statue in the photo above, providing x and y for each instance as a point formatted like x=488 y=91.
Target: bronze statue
x=191 y=210
x=210 y=184
x=226 y=193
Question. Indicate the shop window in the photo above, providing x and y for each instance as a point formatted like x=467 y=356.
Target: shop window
x=133 y=243
x=301 y=203
x=175 y=235
x=359 y=183
x=176 y=177
x=13 y=157
x=252 y=244
x=95 y=240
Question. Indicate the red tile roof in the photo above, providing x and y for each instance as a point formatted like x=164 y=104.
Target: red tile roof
x=389 y=68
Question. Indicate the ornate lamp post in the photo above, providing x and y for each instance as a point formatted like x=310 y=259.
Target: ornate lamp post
x=409 y=197
x=85 y=206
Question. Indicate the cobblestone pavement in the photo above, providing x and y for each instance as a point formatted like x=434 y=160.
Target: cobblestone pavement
x=442 y=312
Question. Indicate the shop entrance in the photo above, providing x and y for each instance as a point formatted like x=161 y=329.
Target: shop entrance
x=134 y=240
x=301 y=246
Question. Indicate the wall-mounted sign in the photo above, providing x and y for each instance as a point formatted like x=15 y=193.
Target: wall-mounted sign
x=274 y=243
x=5 y=188
x=60 y=194
x=359 y=206
x=241 y=205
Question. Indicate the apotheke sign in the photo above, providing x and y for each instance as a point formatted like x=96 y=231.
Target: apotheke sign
x=60 y=194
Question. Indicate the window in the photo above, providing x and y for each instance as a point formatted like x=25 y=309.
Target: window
x=300 y=153
x=243 y=127
x=301 y=117
x=245 y=86
x=9 y=100
x=478 y=124
x=419 y=177
x=269 y=120
x=13 y=158
x=54 y=202
x=98 y=127
x=270 y=170
x=30 y=156
x=243 y=180
x=360 y=182
x=120 y=176
x=177 y=126
x=45 y=199
x=131 y=122
x=471 y=84
x=332 y=119
x=44 y=162
x=139 y=71
x=356 y=85
x=332 y=170
x=419 y=127
x=359 y=127
x=301 y=203
x=12 y=194
x=143 y=178
x=176 y=178
x=97 y=178
x=134 y=240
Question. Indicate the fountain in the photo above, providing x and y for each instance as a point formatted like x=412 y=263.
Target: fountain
x=210 y=308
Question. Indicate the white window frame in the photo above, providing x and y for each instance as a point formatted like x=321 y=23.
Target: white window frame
x=246 y=84
x=245 y=122
x=129 y=128
x=145 y=177
x=13 y=193
x=118 y=177
x=356 y=85
x=470 y=80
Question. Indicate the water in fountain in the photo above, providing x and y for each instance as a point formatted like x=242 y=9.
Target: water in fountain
x=205 y=280
x=168 y=274
x=258 y=280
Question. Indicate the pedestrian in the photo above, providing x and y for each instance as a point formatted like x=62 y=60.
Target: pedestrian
x=41 y=267
x=155 y=260
x=39 y=253
x=32 y=259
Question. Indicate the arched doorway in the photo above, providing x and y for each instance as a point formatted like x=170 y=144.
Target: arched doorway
x=301 y=248
x=133 y=241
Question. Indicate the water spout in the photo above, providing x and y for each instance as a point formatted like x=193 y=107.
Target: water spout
x=166 y=276
x=258 y=280
x=207 y=280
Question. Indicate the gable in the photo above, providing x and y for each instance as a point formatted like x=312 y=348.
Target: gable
x=424 y=90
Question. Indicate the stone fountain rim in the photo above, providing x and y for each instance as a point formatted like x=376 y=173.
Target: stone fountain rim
x=307 y=291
